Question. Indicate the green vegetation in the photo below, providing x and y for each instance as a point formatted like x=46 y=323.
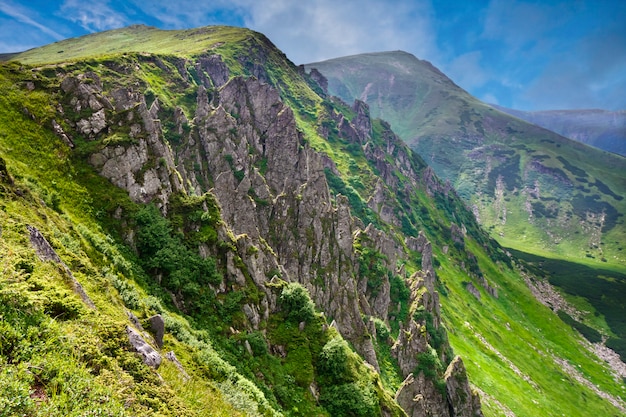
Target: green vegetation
x=499 y=164
x=59 y=357
x=604 y=289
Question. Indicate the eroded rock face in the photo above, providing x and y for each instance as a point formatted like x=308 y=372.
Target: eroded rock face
x=244 y=147
x=139 y=161
x=462 y=400
x=419 y=397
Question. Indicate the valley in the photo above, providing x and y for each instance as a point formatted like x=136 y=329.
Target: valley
x=279 y=251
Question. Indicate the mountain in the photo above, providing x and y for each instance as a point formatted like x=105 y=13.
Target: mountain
x=602 y=129
x=191 y=226
x=533 y=189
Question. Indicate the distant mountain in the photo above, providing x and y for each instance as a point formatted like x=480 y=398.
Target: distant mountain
x=535 y=190
x=189 y=226
x=603 y=129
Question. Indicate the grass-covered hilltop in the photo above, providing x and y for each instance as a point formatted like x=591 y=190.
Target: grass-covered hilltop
x=191 y=226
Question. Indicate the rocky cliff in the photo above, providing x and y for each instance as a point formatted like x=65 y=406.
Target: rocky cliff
x=237 y=241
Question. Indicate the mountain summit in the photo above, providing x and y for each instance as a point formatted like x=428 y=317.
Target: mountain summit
x=533 y=189
x=191 y=226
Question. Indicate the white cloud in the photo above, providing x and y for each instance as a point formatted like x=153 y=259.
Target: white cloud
x=23 y=14
x=313 y=30
x=93 y=16
x=467 y=70
x=320 y=29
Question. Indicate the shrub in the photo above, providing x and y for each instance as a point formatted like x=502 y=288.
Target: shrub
x=296 y=303
x=350 y=399
x=334 y=362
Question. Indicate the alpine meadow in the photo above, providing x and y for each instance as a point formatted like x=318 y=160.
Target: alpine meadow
x=192 y=225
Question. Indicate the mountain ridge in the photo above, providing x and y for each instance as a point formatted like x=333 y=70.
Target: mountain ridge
x=262 y=192
x=602 y=129
x=472 y=144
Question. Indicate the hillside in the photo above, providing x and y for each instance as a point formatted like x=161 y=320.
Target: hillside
x=602 y=129
x=533 y=190
x=190 y=226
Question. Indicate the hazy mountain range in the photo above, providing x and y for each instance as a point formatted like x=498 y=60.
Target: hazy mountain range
x=535 y=190
x=602 y=129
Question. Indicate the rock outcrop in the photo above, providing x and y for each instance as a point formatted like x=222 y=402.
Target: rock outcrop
x=243 y=145
x=45 y=252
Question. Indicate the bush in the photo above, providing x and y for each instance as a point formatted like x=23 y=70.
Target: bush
x=164 y=253
x=334 y=362
x=296 y=303
x=349 y=399
x=15 y=398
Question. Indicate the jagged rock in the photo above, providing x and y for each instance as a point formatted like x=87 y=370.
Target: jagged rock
x=158 y=329
x=457 y=233
x=58 y=130
x=149 y=356
x=462 y=400
x=155 y=107
x=215 y=68
x=319 y=79
x=412 y=340
x=419 y=397
x=280 y=219
x=45 y=252
x=253 y=315
x=124 y=164
x=472 y=290
x=485 y=284
x=361 y=121
x=93 y=125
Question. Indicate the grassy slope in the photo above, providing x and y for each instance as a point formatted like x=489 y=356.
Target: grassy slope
x=531 y=324
x=78 y=359
x=456 y=134
x=472 y=144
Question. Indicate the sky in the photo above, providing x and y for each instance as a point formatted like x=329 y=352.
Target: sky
x=523 y=54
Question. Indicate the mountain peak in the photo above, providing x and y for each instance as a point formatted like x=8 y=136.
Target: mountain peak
x=136 y=39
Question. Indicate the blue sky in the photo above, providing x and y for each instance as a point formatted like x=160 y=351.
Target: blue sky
x=528 y=55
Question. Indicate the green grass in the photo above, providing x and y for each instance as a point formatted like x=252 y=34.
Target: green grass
x=472 y=145
x=601 y=289
x=529 y=336
x=75 y=208
x=135 y=39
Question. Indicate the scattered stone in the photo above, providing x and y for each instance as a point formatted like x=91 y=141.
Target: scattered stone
x=158 y=328
x=149 y=356
x=473 y=290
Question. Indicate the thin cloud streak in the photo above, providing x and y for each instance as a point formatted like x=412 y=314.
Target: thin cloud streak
x=94 y=16
x=21 y=15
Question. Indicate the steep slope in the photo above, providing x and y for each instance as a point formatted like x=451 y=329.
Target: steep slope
x=214 y=187
x=533 y=189
x=602 y=129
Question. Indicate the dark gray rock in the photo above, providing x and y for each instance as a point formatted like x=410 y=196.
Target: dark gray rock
x=462 y=400
x=158 y=329
x=149 y=356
